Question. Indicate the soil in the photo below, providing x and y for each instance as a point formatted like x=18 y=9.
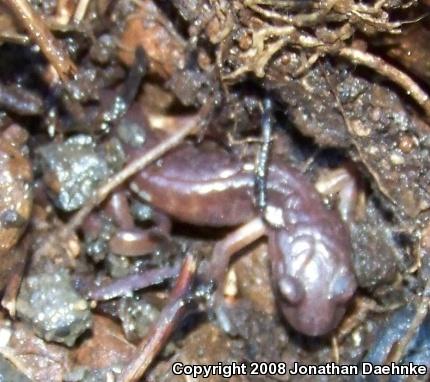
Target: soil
x=349 y=81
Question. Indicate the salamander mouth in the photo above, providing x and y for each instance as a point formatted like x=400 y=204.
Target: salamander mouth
x=313 y=322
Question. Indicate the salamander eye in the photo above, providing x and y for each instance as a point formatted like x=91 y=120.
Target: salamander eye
x=342 y=288
x=291 y=289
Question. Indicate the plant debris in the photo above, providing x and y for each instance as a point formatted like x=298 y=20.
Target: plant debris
x=99 y=285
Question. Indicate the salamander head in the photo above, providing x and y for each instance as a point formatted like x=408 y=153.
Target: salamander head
x=314 y=279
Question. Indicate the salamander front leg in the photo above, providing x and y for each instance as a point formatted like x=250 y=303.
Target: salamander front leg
x=217 y=268
x=231 y=244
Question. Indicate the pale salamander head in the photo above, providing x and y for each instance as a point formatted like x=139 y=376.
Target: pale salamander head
x=313 y=276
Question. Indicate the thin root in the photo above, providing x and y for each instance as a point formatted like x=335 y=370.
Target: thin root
x=43 y=37
x=397 y=76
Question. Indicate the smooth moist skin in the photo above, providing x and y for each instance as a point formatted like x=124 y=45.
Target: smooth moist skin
x=309 y=247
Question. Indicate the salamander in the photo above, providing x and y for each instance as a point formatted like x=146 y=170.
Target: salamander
x=308 y=244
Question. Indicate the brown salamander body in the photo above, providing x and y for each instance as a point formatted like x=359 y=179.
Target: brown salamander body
x=309 y=246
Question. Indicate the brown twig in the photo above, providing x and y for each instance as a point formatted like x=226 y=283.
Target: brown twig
x=397 y=76
x=150 y=347
x=43 y=37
